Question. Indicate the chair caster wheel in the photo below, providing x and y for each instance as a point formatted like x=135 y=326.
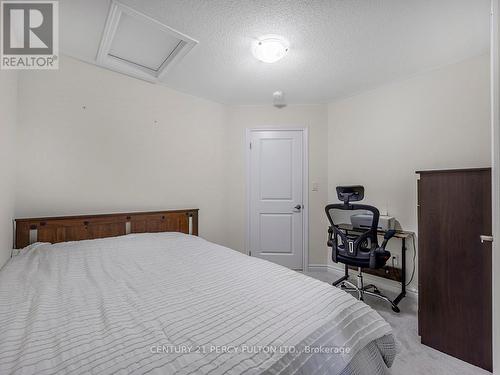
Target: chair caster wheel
x=396 y=309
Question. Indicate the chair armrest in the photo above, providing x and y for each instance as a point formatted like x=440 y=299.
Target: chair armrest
x=330 y=237
x=373 y=254
x=388 y=235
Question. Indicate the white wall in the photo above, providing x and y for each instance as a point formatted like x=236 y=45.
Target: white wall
x=440 y=119
x=112 y=156
x=313 y=117
x=8 y=113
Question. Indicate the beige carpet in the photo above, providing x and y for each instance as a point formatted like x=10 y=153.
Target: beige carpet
x=413 y=358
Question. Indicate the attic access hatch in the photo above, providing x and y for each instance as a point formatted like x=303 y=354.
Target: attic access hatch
x=138 y=45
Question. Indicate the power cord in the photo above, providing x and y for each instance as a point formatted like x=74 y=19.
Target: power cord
x=393 y=269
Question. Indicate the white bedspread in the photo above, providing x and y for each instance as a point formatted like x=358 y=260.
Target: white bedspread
x=170 y=303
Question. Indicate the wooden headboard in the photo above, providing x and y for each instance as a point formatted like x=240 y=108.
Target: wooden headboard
x=87 y=227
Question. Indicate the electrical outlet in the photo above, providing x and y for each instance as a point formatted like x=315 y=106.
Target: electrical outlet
x=395 y=260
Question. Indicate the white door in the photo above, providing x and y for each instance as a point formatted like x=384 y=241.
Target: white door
x=276 y=180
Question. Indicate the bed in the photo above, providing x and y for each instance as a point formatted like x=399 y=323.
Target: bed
x=151 y=297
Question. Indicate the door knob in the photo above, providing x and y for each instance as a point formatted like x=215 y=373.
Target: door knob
x=485 y=238
x=298 y=207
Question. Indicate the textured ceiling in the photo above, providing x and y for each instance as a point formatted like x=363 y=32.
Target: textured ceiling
x=337 y=47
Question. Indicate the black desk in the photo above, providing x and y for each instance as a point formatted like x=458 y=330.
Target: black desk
x=403 y=236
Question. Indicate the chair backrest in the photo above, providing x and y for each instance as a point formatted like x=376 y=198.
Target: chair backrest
x=352 y=245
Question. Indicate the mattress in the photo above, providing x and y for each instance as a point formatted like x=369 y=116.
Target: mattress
x=170 y=303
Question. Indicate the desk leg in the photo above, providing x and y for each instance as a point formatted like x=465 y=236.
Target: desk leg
x=403 y=272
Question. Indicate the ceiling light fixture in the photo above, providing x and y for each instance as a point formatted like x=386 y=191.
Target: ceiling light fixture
x=270 y=48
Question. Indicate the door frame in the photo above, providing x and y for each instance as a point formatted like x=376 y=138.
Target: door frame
x=305 y=186
x=495 y=160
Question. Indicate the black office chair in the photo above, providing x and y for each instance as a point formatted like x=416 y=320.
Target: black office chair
x=360 y=250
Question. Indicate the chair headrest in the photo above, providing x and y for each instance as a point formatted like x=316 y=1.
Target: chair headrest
x=352 y=193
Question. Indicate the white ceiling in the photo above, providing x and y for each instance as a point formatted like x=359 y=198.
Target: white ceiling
x=337 y=47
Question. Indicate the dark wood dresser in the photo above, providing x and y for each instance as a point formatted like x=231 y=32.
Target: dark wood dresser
x=454 y=267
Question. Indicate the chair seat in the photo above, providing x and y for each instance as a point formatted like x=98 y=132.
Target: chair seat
x=380 y=261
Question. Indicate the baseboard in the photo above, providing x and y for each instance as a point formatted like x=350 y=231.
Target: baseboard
x=318 y=268
x=385 y=284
